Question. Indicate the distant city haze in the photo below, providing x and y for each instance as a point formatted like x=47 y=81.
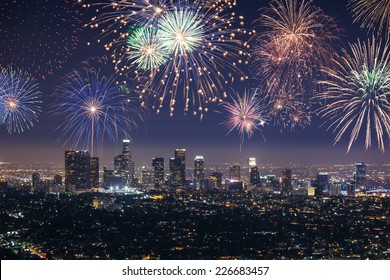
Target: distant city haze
x=145 y=151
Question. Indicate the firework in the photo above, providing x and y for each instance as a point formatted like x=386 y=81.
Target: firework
x=119 y=13
x=20 y=100
x=288 y=111
x=373 y=15
x=38 y=36
x=195 y=50
x=245 y=114
x=119 y=20
x=93 y=109
x=181 y=31
x=146 y=49
x=295 y=42
x=204 y=58
x=357 y=94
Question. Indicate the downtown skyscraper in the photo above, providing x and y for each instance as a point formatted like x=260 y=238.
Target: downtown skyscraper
x=81 y=171
x=254 y=176
x=177 y=168
x=158 y=165
x=124 y=164
x=235 y=173
x=359 y=176
x=94 y=173
x=285 y=181
x=199 y=177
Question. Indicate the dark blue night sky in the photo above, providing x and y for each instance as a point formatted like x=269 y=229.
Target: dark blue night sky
x=160 y=134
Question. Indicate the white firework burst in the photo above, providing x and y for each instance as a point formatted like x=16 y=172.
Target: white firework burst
x=146 y=49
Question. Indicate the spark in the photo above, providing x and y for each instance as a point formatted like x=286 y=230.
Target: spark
x=38 y=36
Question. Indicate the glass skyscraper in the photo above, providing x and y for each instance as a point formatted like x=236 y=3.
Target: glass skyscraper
x=359 y=177
x=199 y=172
x=158 y=164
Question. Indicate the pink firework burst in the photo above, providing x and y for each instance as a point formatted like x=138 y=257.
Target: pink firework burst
x=245 y=114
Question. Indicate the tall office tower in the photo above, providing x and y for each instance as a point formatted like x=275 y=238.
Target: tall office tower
x=147 y=177
x=211 y=182
x=158 y=164
x=113 y=180
x=218 y=176
x=234 y=173
x=359 y=177
x=118 y=163
x=70 y=170
x=175 y=172
x=94 y=175
x=251 y=162
x=199 y=180
x=322 y=182
x=83 y=169
x=351 y=189
x=57 y=180
x=77 y=169
x=254 y=176
x=127 y=166
x=106 y=174
x=285 y=180
x=180 y=155
x=36 y=180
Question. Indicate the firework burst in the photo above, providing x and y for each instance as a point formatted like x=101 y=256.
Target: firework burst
x=38 y=36
x=146 y=49
x=357 y=94
x=181 y=31
x=93 y=109
x=20 y=100
x=199 y=52
x=119 y=20
x=295 y=43
x=373 y=15
x=204 y=58
x=245 y=114
x=288 y=110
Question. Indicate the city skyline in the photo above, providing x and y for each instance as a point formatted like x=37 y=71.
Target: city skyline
x=216 y=154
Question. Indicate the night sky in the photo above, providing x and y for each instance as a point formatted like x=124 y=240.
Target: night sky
x=160 y=134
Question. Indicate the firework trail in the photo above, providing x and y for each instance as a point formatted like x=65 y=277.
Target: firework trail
x=3 y=80
x=373 y=15
x=38 y=36
x=2 y=111
x=19 y=100
x=357 y=93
